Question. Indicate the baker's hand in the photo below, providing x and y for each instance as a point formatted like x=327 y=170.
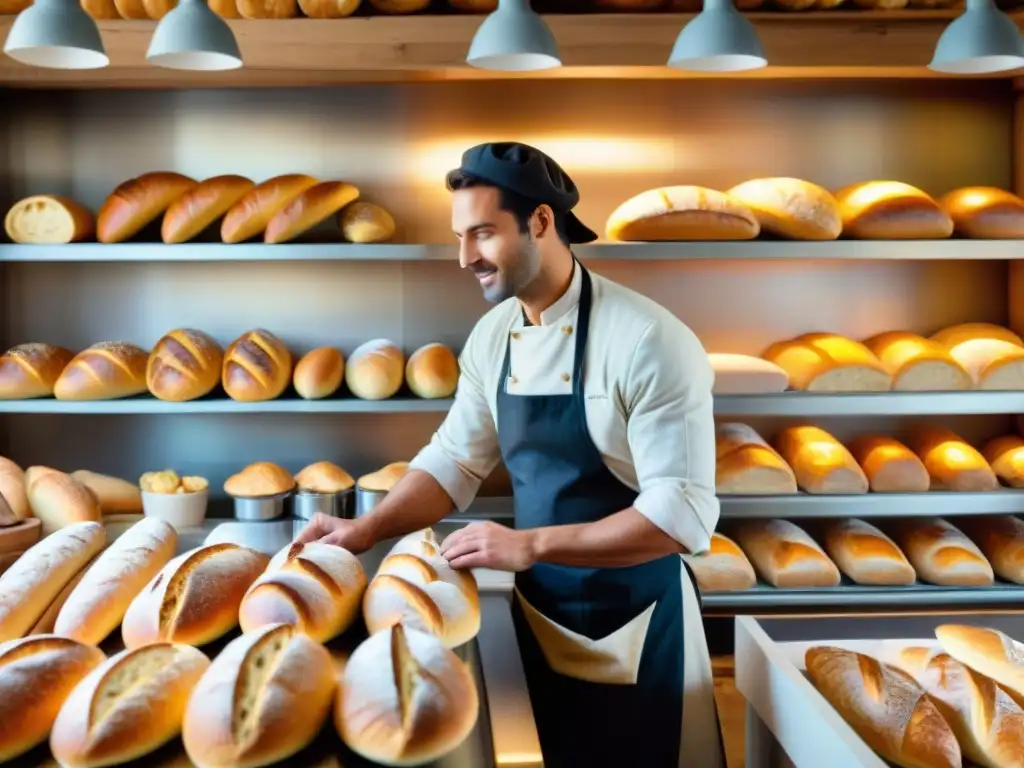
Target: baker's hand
x=489 y=545
x=349 y=534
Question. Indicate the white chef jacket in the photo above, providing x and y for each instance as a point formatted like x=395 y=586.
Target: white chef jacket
x=647 y=386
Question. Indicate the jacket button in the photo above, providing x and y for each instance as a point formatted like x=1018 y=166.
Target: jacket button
x=513 y=379
x=515 y=335
x=565 y=377
x=567 y=329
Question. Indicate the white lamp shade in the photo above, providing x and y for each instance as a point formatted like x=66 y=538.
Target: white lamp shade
x=514 y=39
x=719 y=39
x=983 y=39
x=193 y=37
x=56 y=34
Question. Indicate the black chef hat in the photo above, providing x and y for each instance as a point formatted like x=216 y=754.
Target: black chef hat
x=527 y=172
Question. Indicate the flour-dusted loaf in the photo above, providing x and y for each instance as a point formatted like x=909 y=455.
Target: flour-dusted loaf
x=432 y=371
x=889 y=465
x=723 y=568
x=827 y=362
x=263 y=699
x=791 y=208
x=891 y=210
x=116 y=496
x=130 y=705
x=257 y=366
x=13 y=492
x=952 y=463
x=375 y=370
x=784 y=554
x=682 y=213
x=985 y=213
x=363 y=222
x=820 y=462
x=405 y=699
x=58 y=500
x=248 y=218
x=319 y=373
x=1005 y=454
x=885 y=706
x=184 y=364
x=989 y=652
x=48 y=620
x=1001 y=539
x=991 y=354
x=415 y=585
x=202 y=206
x=745 y=464
x=31 y=370
x=139 y=201
x=194 y=599
x=309 y=208
x=746 y=375
x=49 y=220
x=917 y=364
x=941 y=554
x=104 y=371
x=865 y=554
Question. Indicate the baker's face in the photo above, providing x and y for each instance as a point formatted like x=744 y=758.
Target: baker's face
x=503 y=259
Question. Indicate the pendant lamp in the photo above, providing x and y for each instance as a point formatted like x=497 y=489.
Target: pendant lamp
x=193 y=37
x=983 y=39
x=719 y=39
x=514 y=39
x=56 y=34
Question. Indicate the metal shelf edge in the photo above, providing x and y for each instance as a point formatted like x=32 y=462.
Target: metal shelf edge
x=867 y=597
x=150 y=405
x=873 y=505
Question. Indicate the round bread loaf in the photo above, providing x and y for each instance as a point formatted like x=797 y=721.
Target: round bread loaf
x=375 y=370
x=985 y=213
x=791 y=208
x=104 y=371
x=257 y=366
x=324 y=477
x=432 y=371
x=319 y=373
x=891 y=210
x=261 y=478
x=31 y=370
x=385 y=478
x=682 y=213
x=58 y=501
x=184 y=364
x=363 y=222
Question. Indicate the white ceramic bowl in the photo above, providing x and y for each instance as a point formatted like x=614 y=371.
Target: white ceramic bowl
x=182 y=510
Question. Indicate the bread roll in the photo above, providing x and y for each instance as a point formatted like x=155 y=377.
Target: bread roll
x=375 y=370
x=955 y=335
x=319 y=373
x=385 y=478
x=941 y=554
x=257 y=366
x=12 y=490
x=866 y=555
x=415 y=585
x=889 y=465
x=432 y=372
x=311 y=207
x=261 y=478
x=249 y=216
x=952 y=464
x=157 y=9
x=984 y=213
x=263 y=699
x=317 y=588
x=116 y=496
x=268 y=9
x=137 y=202
x=682 y=213
x=366 y=223
x=58 y=501
x=100 y=9
x=104 y=371
x=132 y=9
x=820 y=462
x=184 y=364
x=49 y=219
x=784 y=555
x=827 y=362
x=36 y=675
x=993 y=356
x=226 y=9
x=129 y=706
x=324 y=477
x=746 y=375
x=1001 y=539
x=201 y=206
x=917 y=364
x=1005 y=455
x=988 y=652
x=723 y=568
x=791 y=208
x=405 y=699
x=194 y=599
x=891 y=210
x=746 y=465
x=885 y=706
x=31 y=370
x=328 y=9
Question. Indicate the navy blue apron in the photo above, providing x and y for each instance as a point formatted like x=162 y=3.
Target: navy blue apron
x=559 y=478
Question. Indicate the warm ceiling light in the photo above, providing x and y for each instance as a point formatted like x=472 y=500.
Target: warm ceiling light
x=983 y=39
x=193 y=37
x=56 y=34
x=719 y=39
x=514 y=39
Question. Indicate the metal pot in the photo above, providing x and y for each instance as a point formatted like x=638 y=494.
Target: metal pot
x=367 y=500
x=260 y=507
x=306 y=504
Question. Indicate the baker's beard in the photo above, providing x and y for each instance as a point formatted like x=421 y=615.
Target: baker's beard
x=519 y=271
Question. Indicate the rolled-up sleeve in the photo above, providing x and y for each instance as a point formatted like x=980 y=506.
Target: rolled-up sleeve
x=671 y=433
x=464 y=450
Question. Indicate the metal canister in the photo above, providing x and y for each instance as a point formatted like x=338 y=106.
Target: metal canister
x=306 y=504
x=260 y=507
x=367 y=500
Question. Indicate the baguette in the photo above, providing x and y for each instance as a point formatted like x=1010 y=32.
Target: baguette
x=723 y=568
x=31 y=370
x=201 y=206
x=988 y=652
x=1006 y=457
x=682 y=213
x=992 y=355
x=784 y=555
x=1001 y=539
x=249 y=216
x=820 y=462
x=48 y=620
x=889 y=465
x=917 y=364
x=746 y=464
x=58 y=501
x=311 y=207
x=952 y=464
x=116 y=496
x=866 y=555
x=137 y=202
x=826 y=362
x=941 y=554
x=891 y=210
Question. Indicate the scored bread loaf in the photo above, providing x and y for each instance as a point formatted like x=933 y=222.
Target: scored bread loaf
x=989 y=652
x=49 y=219
x=784 y=555
x=104 y=371
x=891 y=210
x=791 y=208
x=952 y=464
x=249 y=217
x=31 y=370
x=682 y=213
x=375 y=370
x=385 y=478
x=194 y=599
x=317 y=588
x=889 y=465
x=885 y=706
x=415 y=585
x=820 y=462
x=46 y=622
x=261 y=478
x=201 y=206
x=917 y=364
x=941 y=554
x=58 y=501
x=746 y=375
x=324 y=477
x=745 y=464
x=432 y=371
x=404 y=699
x=309 y=208
x=257 y=366
x=184 y=364
x=319 y=373
x=1005 y=454
x=865 y=554
x=138 y=202
x=827 y=362
x=263 y=699
x=130 y=705
x=993 y=356
x=1001 y=539
x=362 y=222
x=13 y=492
x=723 y=568
x=115 y=496
x=98 y=603
x=985 y=213
x=37 y=674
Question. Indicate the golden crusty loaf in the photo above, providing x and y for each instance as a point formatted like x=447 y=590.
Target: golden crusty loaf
x=328 y=9
x=432 y=371
x=891 y=210
x=985 y=213
x=116 y=496
x=104 y=371
x=194 y=599
x=723 y=568
x=992 y=355
x=130 y=705
x=988 y=652
x=917 y=364
x=324 y=477
x=362 y=222
x=827 y=362
x=865 y=554
x=268 y=9
x=58 y=500
x=385 y=478
x=13 y=491
x=745 y=464
x=820 y=462
x=375 y=370
x=889 y=465
x=97 y=604
x=248 y=218
x=35 y=580
x=49 y=219
x=885 y=706
x=201 y=206
x=784 y=555
x=261 y=478
x=941 y=554
x=137 y=202
x=405 y=699
x=31 y=370
x=746 y=375
x=227 y=9
x=264 y=698
x=1001 y=539
x=415 y=585
x=308 y=209
x=791 y=208
x=317 y=588
x=952 y=463
x=184 y=364
x=257 y=366
x=1005 y=454
x=319 y=373
x=36 y=675
x=682 y=213
x=954 y=335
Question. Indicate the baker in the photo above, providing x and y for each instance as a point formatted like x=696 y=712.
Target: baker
x=599 y=402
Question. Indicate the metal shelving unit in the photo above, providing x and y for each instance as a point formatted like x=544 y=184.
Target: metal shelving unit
x=873 y=505
x=855 y=597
